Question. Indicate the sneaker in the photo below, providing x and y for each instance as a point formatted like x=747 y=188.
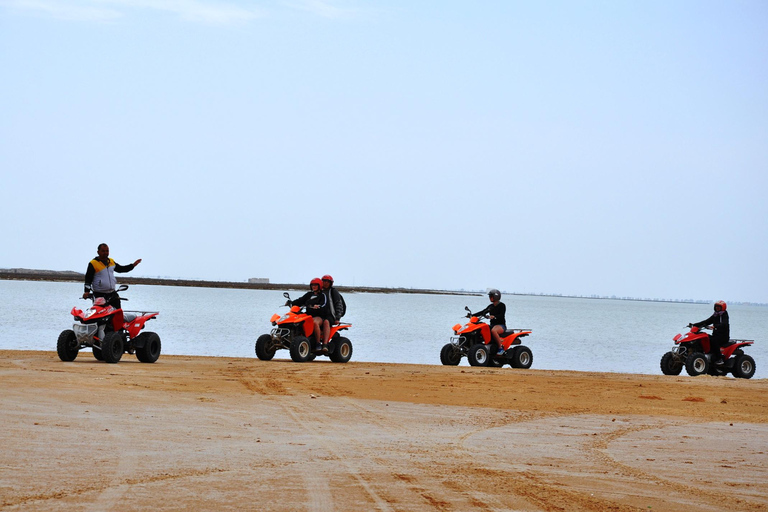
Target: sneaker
x=501 y=351
x=719 y=362
x=319 y=347
x=325 y=349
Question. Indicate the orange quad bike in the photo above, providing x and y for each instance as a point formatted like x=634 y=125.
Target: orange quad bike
x=474 y=340
x=294 y=331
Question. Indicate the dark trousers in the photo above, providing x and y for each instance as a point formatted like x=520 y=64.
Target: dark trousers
x=113 y=299
x=716 y=342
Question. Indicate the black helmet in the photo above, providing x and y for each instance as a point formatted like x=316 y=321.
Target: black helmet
x=494 y=293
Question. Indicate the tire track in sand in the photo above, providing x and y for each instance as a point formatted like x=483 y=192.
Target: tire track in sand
x=597 y=450
x=318 y=490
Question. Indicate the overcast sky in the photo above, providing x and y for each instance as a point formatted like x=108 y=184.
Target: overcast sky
x=609 y=148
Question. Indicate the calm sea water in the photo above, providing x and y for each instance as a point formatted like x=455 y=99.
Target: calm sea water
x=568 y=334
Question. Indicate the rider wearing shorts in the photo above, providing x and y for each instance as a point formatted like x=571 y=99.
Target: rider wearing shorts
x=496 y=310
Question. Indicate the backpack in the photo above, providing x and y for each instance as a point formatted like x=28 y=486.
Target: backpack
x=343 y=311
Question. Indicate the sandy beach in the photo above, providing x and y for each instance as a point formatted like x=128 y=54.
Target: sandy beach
x=198 y=433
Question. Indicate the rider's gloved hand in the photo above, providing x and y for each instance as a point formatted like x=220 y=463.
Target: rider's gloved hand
x=288 y=302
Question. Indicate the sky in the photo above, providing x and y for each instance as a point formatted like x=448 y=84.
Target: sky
x=576 y=147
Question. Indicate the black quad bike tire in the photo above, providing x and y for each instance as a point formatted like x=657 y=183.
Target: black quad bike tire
x=744 y=367
x=696 y=364
x=522 y=357
x=149 y=351
x=67 y=346
x=478 y=355
x=97 y=354
x=112 y=347
x=301 y=349
x=450 y=355
x=671 y=364
x=265 y=348
x=342 y=350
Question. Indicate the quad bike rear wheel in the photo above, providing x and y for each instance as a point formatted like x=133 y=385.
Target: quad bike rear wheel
x=478 y=355
x=67 y=346
x=744 y=367
x=265 y=348
x=150 y=349
x=342 y=351
x=522 y=357
x=671 y=364
x=696 y=364
x=450 y=355
x=301 y=349
x=112 y=347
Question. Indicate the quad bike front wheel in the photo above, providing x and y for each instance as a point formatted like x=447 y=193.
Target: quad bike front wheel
x=149 y=350
x=522 y=357
x=67 y=346
x=265 y=348
x=696 y=364
x=478 y=355
x=671 y=364
x=450 y=355
x=744 y=367
x=301 y=349
x=342 y=352
x=112 y=347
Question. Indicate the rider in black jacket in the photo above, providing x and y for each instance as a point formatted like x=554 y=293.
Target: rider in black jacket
x=317 y=307
x=496 y=310
x=335 y=304
x=721 y=330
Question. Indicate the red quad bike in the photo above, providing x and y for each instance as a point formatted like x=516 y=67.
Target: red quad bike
x=295 y=331
x=474 y=341
x=692 y=351
x=109 y=332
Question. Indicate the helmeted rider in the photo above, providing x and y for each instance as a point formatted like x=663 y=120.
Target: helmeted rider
x=335 y=305
x=316 y=304
x=721 y=330
x=496 y=311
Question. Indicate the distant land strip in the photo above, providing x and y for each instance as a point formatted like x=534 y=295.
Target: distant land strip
x=23 y=274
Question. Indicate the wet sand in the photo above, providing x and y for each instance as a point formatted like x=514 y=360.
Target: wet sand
x=201 y=433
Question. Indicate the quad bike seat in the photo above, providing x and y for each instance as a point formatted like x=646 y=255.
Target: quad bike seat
x=129 y=317
x=510 y=332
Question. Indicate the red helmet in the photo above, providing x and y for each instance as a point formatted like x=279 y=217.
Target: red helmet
x=326 y=277
x=316 y=281
x=722 y=304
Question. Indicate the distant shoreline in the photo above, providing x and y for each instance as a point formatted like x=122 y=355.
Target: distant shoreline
x=71 y=276
x=21 y=274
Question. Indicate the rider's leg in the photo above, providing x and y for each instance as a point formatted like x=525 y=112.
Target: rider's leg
x=715 y=342
x=326 y=331
x=496 y=335
x=318 y=329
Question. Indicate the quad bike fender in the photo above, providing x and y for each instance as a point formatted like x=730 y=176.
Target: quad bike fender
x=515 y=338
x=304 y=319
x=730 y=349
x=702 y=338
x=338 y=328
x=483 y=328
x=117 y=320
x=135 y=326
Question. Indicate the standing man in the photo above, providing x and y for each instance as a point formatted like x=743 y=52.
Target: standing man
x=100 y=276
x=336 y=304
